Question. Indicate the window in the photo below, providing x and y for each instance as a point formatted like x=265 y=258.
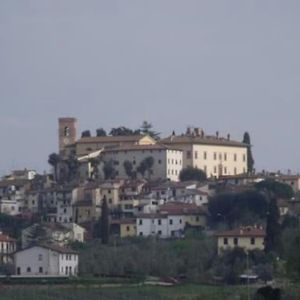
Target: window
x=159 y=222
x=127 y=228
x=159 y=161
x=225 y=241
x=159 y=232
x=28 y=270
x=171 y=222
x=215 y=156
x=244 y=157
x=235 y=241
x=252 y=241
x=140 y=222
x=188 y=154
x=234 y=157
x=140 y=234
x=109 y=191
x=196 y=154
x=225 y=156
x=134 y=162
x=40 y=269
x=205 y=155
x=225 y=170
x=215 y=169
x=235 y=172
x=40 y=257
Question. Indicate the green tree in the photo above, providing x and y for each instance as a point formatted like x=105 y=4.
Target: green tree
x=250 y=160
x=129 y=169
x=293 y=260
x=85 y=133
x=104 y=227
x=191 y=173
x=149 y=162
x=109 y=170
x=121 y=131
x=100 y=132
x=279 y=189
x=73 y=166
x=273 y=231
x=54 y=159
x=147 y=129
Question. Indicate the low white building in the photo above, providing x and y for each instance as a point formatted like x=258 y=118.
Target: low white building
x=167 y=160
x=170 y=220
x=46 y=260
x=10 y=207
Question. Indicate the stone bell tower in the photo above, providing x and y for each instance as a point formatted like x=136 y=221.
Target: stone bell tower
x=66 y=133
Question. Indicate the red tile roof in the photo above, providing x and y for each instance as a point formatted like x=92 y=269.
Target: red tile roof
x=180 y=208
x=243 y=231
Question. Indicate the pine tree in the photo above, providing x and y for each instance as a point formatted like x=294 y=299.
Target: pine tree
x=250 y=160
x=104 y=222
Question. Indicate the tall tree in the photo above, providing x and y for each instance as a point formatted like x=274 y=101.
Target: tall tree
x=109 y=170
x=147 y=128
x=86 y=133
x=104 y=222
x=250 y=160
x=128 y=168
x=73 y=165
x=54 y=160
x=273 y=227
x=100 y=132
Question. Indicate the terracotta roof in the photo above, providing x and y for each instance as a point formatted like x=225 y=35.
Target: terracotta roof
x=180 y=208
x=6 y=238
x=243 y=231
x=123 y=221
x=152 y=216
x=111 y=139
x=16 y=182
x=140 y=147
x=53 y=248
x=206 y=140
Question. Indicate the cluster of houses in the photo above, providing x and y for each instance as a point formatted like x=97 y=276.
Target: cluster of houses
x=152 y=204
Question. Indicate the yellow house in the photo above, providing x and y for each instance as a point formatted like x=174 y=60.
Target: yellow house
x=111 y=191
x=125 y=227
x=246 y=237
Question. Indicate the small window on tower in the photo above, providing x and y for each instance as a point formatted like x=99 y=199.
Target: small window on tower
x=67 y=131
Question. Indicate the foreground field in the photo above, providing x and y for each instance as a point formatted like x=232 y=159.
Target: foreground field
x=181 y=292
x=184 y=292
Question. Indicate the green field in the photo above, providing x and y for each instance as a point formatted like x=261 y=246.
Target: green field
x=184 y=292
x=180 y=292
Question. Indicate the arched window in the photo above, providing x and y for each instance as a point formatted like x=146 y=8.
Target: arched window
x=66 y=131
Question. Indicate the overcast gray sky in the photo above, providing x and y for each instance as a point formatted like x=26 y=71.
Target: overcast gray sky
x=231 y=66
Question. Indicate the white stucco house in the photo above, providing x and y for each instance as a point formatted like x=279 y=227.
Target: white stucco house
x=46 y=260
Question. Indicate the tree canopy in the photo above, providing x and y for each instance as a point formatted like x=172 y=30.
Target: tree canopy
x=191 y=173
x=279 y=189
x=100 y=132
x=86 y=133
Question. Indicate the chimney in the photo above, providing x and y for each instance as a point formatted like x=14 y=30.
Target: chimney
x=189 y=131
x=217 y=134
x=228 y=137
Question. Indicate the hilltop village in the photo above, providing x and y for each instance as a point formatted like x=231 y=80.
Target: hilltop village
x=131 y=203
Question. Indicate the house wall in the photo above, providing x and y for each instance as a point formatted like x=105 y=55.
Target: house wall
x=243 y=242
x=167 y=163
x=127 y=230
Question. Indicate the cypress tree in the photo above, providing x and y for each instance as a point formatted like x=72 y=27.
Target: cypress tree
x=250 y=160
x=104 y=222
x=273 y=226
